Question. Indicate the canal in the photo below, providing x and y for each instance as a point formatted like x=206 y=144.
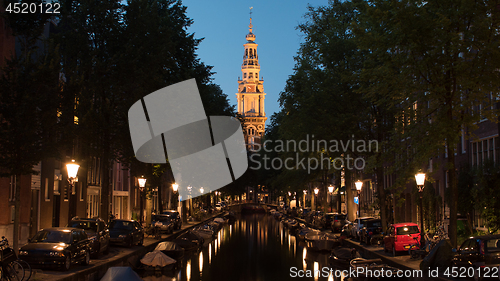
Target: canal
x=255 y=248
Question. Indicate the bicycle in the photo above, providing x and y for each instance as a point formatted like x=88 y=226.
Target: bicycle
x=154 y=231
x=416 y=252
x=12 y=265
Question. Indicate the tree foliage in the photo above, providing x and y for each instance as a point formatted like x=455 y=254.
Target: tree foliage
x=410 y=74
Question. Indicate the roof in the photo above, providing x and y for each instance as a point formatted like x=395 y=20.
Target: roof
x=122 y=220
x=60 y=228
x=487 y=237
x=86 y=219
x=404 y=224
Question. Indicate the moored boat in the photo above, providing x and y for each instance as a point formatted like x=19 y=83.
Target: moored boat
x=156 y=260
x=171 y=249
x=189 y=241
x=319 y=241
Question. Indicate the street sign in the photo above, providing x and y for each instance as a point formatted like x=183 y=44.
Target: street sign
x=356 y=199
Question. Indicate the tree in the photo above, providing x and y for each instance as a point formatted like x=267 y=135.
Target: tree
x=329 y=98
x=28 y=102
x=434 y=62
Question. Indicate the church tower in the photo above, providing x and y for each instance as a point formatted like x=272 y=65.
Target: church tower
x=251 y=92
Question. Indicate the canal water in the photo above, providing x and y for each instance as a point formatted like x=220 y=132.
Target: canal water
x=255 y=248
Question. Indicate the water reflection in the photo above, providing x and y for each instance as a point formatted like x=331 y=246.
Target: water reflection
x=250 y=250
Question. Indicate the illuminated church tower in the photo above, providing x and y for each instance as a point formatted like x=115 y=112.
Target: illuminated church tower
x=251 y=92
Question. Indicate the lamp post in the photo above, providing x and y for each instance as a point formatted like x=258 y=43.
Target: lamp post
x=305 y=193
x=142 y=184
x=72 y=169
x=316 y=190
x=359 y=186
x=330 y=190
x=340 y=201
x=175 y=187
x=420 y=179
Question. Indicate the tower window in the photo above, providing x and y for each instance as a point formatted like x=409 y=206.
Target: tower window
x=250 y=75
x=244 y=75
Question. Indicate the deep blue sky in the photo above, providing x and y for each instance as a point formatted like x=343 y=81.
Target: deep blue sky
x=224 y=24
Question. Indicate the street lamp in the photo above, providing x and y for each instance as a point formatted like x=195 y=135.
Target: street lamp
x=359 y=186
x=305 y=193
x=316 y=190
x=420 y=179
x=142 y=184
x=72 y=169
x=330 y=190
x=175 y=187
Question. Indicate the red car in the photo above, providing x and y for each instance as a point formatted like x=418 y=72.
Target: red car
x=400 y=236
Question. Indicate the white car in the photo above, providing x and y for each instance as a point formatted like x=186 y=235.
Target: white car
x=218 y=207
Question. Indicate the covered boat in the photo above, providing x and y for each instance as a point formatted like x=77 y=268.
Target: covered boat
x=319 y=241
x=171 y=249
x=343 y=256
x=157 y=259
x=367 y=268
x=189 y=241
x=302 y=232
x=122 y=273
x=206 y=232
x=219 y=220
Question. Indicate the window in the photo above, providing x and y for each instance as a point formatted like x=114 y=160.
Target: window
x=405 y=230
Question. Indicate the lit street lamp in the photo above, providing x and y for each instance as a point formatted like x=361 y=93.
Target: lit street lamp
x=316 y=190
x=305 y=193
x=330 y=190
x=72 y=169
x=359 y=186
x=142 y=184
x=175 y=187
x=420 y=179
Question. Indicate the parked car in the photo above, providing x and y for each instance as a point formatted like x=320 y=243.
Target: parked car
x=317 y=217
x=482 y=253
x=126 y=232
x=400 y=236
x=96 y=230
x=326 y=220
x=218 y=207
x=164 y=222
x=371 y=228
x=339 y=220
x=357 y=225
x=223 y=205
x=57 y=247
x=175 y=217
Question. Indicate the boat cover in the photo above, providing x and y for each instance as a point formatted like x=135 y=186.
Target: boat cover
x=219 y=220
x=121 y=273
x=157 y=258
x=168 y=246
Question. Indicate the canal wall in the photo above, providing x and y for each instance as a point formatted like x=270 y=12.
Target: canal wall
x=401 y=264
x=96 y=272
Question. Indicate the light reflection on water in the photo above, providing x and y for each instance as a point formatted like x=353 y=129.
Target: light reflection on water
x=250 y=250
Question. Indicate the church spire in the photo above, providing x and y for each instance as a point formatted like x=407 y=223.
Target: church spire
x=251 y=93
x=250 y=36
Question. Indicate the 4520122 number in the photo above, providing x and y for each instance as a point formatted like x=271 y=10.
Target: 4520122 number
x=470 y=272
x=32 y=8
